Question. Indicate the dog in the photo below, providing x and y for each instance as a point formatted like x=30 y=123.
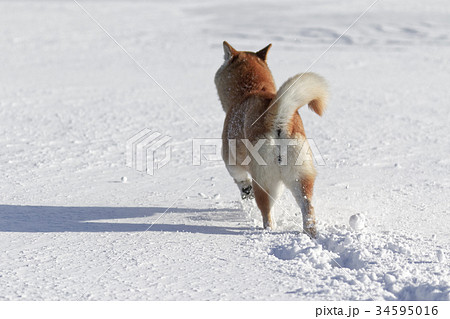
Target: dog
x=257 y=118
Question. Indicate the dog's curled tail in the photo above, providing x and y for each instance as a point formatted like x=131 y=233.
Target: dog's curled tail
x=301 y=89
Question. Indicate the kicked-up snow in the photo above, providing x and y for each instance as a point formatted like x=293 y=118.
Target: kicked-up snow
x=76 y=223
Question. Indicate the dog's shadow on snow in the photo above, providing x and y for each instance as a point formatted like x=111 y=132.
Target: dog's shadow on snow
x=35 y=219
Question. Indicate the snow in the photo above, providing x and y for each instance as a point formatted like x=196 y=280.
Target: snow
x=72 y=227
x=440 y=256
x=357 y=222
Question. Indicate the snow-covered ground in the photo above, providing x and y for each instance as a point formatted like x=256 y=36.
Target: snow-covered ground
x=70 y=98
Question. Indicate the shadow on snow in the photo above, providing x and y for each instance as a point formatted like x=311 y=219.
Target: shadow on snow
x=89 y=219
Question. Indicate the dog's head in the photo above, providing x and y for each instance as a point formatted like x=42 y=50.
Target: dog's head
x=243 y=73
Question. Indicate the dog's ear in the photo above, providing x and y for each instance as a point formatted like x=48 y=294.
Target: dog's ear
x=262 y=54
x=228 y=50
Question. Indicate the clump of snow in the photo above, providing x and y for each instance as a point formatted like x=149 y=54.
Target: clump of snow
x=389 y=279
x=302 y=250
x=124 y=179
x=357 y=222
x=440 y=256
x=286 y=253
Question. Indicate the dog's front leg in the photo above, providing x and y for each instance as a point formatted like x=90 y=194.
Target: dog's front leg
x=242 y=180
x=246 y=189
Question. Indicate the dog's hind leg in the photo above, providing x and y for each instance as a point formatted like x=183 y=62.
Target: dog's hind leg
x=302 y=189
x=265 y=199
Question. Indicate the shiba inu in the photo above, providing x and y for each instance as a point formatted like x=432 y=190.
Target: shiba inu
x=257 y=117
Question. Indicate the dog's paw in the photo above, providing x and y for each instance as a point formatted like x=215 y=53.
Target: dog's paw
x=268 y=225
x=311 y=232
x=247 y=192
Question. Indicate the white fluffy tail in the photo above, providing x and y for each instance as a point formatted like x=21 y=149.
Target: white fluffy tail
x=301 y=89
